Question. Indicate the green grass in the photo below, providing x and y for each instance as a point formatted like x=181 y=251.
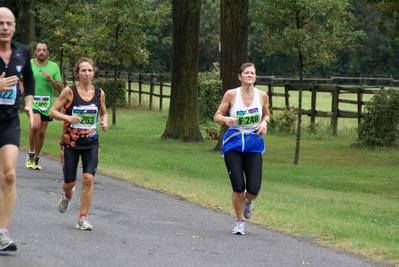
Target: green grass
x=347 y=197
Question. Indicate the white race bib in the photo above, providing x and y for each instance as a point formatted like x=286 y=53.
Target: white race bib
x=8 y=97
x=88 y=115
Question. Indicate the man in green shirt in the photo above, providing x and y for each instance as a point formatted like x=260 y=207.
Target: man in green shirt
x=48 y=77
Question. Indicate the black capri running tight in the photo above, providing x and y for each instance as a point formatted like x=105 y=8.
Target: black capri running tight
x=249 y=164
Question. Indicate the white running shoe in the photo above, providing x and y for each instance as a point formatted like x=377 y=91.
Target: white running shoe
x=248 y=210
x=239 y=228
x=6 y=243
x=83 y=224
x=63 y=204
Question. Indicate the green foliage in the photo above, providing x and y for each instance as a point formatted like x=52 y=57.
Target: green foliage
x=380 y=126
x=110 y=32
x=108 y=87
x=210 y=93
x=304 y=27
x=370 y=49
x=311 y=129
x=284 y=121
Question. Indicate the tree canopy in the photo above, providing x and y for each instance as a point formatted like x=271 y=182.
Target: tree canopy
x=110 y=32
x=308 y=29
x=372 y=37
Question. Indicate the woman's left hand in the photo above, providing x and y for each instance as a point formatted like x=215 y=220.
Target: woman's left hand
x=104 y=126
x=262 y=128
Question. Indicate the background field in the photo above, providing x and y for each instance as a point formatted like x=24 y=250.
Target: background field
x=343 y=195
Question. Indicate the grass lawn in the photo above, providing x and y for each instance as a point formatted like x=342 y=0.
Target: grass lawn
x=345 y=196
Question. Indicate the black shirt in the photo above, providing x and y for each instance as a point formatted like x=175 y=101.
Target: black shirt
x=20 y=66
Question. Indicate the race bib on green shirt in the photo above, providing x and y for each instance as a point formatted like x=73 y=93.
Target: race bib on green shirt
x=247 y=117
x=8 y=97
x=42 y=102
x=88 y=115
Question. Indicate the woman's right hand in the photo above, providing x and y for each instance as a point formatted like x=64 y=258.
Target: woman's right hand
x=74 y=119
x=229 y=121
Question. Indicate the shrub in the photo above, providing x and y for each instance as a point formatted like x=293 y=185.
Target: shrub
x=210 y=93
x=380 y=125
x=107 y=84
x=283 y=121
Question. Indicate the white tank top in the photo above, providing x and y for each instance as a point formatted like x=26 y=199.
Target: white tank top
x=248 y=117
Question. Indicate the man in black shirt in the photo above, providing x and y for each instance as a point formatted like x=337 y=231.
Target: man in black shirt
x=14 y=64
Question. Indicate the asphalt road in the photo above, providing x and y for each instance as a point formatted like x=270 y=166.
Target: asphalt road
x=134 y=226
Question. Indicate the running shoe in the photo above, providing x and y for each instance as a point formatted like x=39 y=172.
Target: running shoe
x=37 y=165
x=248 y=210
x=6 y=243
x=239 y=228
x=63 y=204
x=30 y=161
x=83 y=224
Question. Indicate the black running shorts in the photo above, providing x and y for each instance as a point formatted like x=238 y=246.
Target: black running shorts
x=70 y=160
x=42 y=117
x=10 y=132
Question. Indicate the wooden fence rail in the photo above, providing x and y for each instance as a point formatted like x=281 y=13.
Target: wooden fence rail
x=157 y=82
x=337 y=96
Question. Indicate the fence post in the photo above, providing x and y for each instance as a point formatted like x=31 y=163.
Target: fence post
x=151 y=89
x=270 y=93
x=313 y=104
x=359 y=104
x=287 y=96
x=129 y=89
x=160 y=91
x=140 y=88
x=335 y=110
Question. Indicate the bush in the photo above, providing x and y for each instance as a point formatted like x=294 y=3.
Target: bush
x=283 y=121
x=380 y=125
x=210 y=93
x=107 y=84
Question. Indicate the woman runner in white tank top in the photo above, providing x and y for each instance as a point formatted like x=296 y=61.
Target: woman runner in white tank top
x=243 y=143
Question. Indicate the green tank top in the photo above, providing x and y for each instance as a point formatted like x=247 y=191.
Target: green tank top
x=44 y=91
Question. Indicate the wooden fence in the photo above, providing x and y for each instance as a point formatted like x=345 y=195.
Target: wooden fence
x=333 y=80
x=158 y=82
x=337 y=96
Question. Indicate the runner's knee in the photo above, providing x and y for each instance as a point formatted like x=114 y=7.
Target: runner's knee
x=9 y=178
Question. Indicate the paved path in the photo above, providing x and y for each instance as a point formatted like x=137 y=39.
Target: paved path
x=134 y=226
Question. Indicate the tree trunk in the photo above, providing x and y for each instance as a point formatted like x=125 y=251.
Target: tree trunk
x=115 y=78
x=183 y=120
x=299 y=125
x=27 y=21
x=234 y=45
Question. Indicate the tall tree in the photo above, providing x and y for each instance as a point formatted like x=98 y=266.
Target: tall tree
x=308 y=29
x=27 y=21
x=110 y=33
x=234 y=45
x=63 y=25
x=118 y=21
x=183 y=121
